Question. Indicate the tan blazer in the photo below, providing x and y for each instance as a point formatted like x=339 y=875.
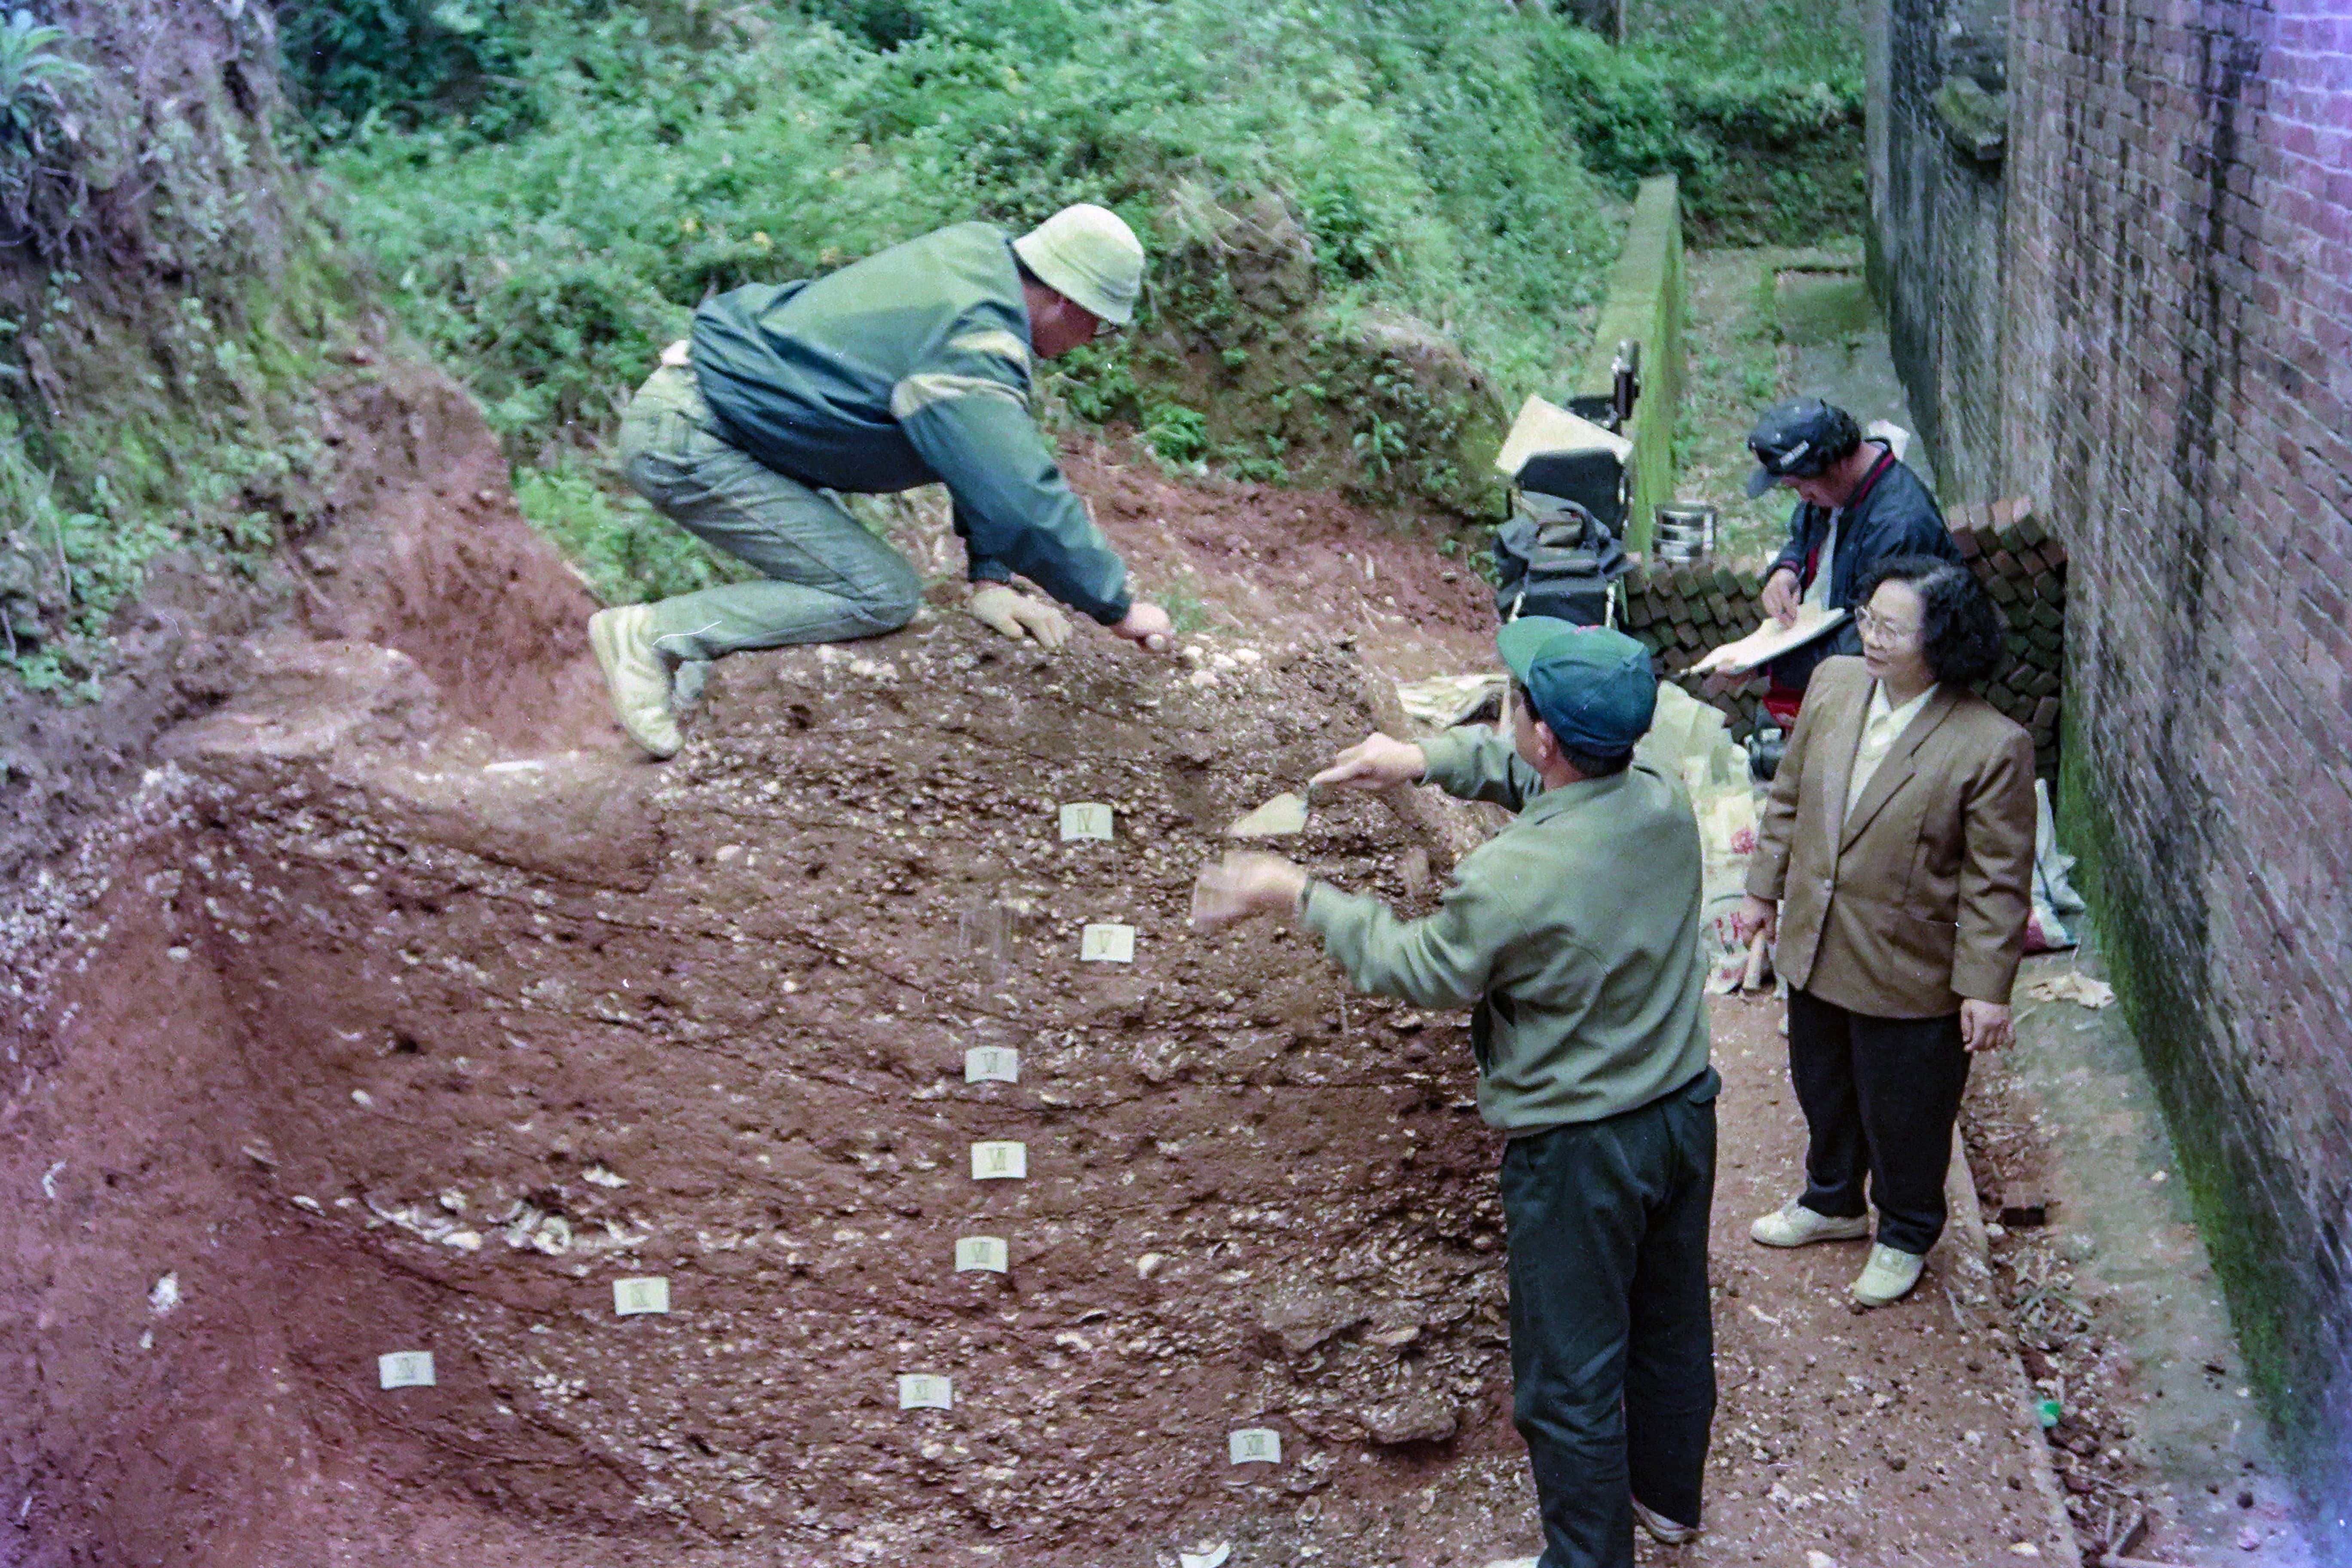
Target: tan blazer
x=1920 y=898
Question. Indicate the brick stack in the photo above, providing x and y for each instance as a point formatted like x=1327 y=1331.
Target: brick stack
x=2024 y=571
x=1681 y=612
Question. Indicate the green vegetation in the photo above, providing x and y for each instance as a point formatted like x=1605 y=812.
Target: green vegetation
x=163 y=313
x=37 y=185
x=1375 y=202
x=354 y=63
x=207 y=441
x=1372 y=230
x=1815 y=40
x=1767 y=147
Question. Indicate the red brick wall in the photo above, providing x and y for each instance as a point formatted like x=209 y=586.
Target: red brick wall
x=2178 y=332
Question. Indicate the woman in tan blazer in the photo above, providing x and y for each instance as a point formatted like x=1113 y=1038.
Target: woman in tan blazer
x=1896 y=860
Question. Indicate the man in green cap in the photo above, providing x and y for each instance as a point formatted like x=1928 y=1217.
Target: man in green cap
x=910 y=367
x=1574 y=932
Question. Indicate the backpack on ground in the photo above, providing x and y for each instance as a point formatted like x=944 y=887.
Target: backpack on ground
x=1555 y=558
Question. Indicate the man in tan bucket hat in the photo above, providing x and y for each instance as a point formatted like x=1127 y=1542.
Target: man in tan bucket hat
x=910 y=367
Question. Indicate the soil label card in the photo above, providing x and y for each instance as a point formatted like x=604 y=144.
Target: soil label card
x=992 y=1064
x=923 y=1391
x=1255 y=1445
x=991 y=1162
x=650 y=1294
x=405 y=1369
x=1107 y=944
x=1085 y=819
x=982 y=1252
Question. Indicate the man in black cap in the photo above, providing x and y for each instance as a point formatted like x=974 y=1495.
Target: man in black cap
x=1857 y=505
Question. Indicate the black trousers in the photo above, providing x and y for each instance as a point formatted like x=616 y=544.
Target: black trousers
x=1613 y=1345
x=1880 y=1096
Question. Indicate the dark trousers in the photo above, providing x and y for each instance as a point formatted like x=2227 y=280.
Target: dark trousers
x=1613 y=1345
x=1880 y=1096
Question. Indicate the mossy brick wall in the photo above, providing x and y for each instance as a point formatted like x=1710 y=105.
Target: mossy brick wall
x=1682 y=612
x=1645 y=306
x=1938 y=198
x=2178 y=332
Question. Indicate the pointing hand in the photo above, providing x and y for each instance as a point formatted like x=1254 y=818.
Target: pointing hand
x=1376 y=762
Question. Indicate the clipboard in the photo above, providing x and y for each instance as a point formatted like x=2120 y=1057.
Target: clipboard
x=1770 y=641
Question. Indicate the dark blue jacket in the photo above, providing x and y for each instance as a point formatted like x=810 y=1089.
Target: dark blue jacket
x=1893 y=515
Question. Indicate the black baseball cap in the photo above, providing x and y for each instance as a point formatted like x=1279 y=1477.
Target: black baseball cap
x=1799 y=439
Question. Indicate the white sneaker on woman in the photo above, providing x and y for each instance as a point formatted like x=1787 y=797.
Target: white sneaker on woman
x=1664 y=1530
x=1888 y=1276
x=1794 y=1224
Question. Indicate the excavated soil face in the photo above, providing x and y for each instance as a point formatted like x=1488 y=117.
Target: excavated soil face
x=400 y=1009
x=465 y=1041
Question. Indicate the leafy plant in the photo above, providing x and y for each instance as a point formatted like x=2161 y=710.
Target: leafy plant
x=653 y=163
x=1378 y=444
x=31 y=73
x=33 y=79
x=1176 y=433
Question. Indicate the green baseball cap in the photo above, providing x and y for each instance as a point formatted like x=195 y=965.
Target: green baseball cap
x=1590 y=685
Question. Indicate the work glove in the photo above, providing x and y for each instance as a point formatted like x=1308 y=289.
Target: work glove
x=1017 y=615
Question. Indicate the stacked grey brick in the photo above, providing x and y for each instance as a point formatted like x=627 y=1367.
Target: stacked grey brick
x=1681 y=612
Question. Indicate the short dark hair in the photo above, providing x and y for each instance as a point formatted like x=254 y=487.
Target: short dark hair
x=1591 y=764
x=1594 y=766
x=1959 y=629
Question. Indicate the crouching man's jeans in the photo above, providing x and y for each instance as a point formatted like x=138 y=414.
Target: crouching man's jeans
x=1613 y=1345
x=828 y=579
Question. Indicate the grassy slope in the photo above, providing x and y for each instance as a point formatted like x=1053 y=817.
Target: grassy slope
x=1371 y=223
x=161 y=320
x=1412 y=148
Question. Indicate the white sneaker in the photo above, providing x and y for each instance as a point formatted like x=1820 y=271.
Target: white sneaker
x=1794 y=1224
x=1888 y=1276
x=1514 y=1563
x=635 y=677
x=1664 y=1530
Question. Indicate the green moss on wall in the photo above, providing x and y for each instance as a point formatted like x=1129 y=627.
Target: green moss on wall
x=2217 y=1148
x=1645 y=306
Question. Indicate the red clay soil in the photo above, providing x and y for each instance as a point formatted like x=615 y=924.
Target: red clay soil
x=1293 y=565
x=386 y=1018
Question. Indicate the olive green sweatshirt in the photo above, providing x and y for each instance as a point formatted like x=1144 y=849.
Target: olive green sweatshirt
x=1574 y=932
x=910 y=366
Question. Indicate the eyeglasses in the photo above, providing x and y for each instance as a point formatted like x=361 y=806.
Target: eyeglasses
x=1878 y=629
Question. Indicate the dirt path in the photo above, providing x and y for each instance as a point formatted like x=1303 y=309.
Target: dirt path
x=1872 y=1438
x=2121 y=1318
x=372 y=1030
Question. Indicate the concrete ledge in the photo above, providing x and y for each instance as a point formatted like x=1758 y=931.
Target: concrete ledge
x=1645 y=305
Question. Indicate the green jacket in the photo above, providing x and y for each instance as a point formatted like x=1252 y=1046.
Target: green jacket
x=1575 y=930
x=910 y=367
